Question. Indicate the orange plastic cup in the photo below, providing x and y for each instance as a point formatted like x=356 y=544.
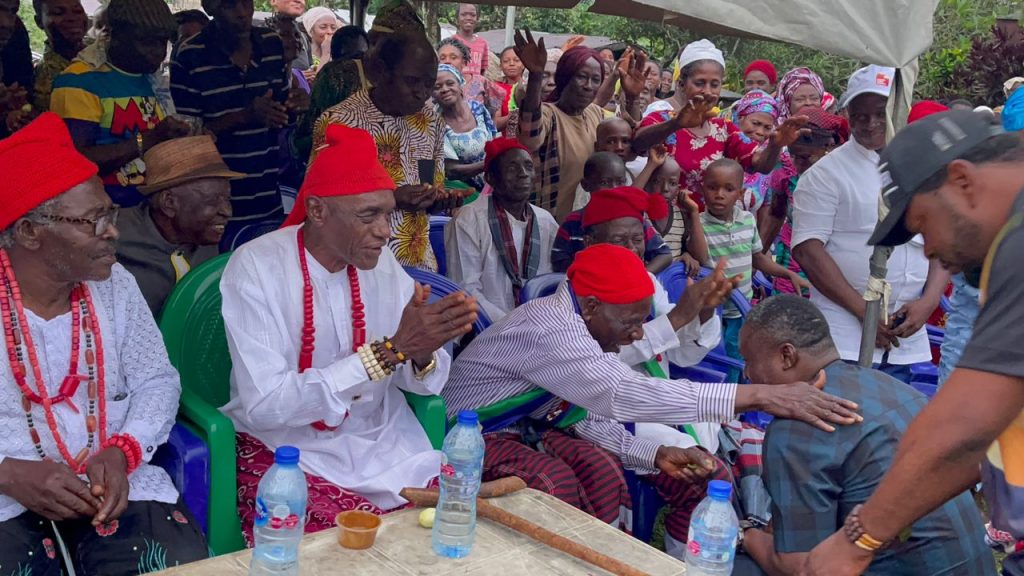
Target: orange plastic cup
x=357 y=529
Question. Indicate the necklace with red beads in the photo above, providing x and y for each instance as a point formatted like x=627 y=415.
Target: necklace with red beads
x=309 y=330
x=84 y=326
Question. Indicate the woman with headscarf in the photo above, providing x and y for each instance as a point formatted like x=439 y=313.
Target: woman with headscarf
x=686 y=124
x=320 y=23
x=468 y=128
x=339 y=80
x=453 y=52
x=824 y=132
x=800 y=88
x=562 y=130
x=755 y=114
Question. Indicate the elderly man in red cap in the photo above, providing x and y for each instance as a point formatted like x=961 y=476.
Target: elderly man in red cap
x=322 y=348
x=86 y=393
x=496 y=244
x=566 y=346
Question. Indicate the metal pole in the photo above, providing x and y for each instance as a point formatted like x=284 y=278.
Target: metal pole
x=510 y=25
x=874 y=297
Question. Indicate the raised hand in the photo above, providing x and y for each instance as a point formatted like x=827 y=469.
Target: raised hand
x=689 y=464
x=631 y=73
x=790 y=131
x=707 y=293
x=47 y=488
x=694 y=113
x=424 y=328
x=657 y=156
x=687 y=204
x=533 y=54
x=572 y=43
x=108 y=477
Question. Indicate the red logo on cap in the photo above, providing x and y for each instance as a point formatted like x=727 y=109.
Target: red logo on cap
x=882 y=80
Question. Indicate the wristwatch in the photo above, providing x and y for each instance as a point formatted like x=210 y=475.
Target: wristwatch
x=428 y=369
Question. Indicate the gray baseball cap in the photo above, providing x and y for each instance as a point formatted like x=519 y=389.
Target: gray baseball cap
x=919 y=152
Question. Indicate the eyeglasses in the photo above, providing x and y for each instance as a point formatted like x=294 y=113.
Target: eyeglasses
x=100 y=224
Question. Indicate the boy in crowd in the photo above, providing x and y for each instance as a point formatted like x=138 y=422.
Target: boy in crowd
x=732 y=234
x=615 y=135
x=603 y=171
x=681 y=230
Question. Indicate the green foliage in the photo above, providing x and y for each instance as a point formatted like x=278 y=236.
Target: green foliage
x=36 y=37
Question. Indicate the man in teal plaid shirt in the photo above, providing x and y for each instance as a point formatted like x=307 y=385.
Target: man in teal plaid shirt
x=816 y=478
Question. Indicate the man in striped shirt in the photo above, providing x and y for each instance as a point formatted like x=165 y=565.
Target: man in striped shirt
x=732 y=235
x=567 y=345
x=233 y=78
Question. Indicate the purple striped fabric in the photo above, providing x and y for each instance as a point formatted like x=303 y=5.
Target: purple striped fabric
x=545 y=344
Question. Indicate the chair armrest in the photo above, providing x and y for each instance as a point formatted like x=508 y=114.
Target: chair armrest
x=224 y=534
x=430 y=411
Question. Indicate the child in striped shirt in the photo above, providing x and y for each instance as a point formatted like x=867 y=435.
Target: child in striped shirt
x=682 y=229
x=731 y=234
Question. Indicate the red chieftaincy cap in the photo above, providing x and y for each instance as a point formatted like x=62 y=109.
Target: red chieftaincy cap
x=610 y=273
x=346 y=166
x=495 y=148
x=623 y=202
x=39 y=163
x=765 y=67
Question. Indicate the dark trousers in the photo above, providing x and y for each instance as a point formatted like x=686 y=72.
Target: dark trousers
x=147 y=537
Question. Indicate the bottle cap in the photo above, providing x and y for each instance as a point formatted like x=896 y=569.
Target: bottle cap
x=286 y=455
x=467 y=417
x=719 y=489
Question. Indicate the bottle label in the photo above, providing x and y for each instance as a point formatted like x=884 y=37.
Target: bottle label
x=447 y=470
x=281 y=517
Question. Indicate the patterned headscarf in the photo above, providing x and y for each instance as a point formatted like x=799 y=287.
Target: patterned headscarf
x=753 y=102
x=453 y=71
x=794 y=79
x=569 y=64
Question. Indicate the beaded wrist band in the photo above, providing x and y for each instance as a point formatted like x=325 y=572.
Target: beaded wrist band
x=402 y=358
x=370 y=363
x=129 y=446
x=856 y=533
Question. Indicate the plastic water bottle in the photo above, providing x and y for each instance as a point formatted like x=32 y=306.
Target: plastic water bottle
x=280 y=516
x=461 y=468
x=714 y=527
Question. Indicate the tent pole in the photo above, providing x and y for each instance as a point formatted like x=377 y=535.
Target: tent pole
x=357 y=9
x=510 y=26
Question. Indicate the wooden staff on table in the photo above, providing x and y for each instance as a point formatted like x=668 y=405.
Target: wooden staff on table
x=427 y=498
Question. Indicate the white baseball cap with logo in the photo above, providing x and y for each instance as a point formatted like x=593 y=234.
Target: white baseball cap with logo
x=869 y=80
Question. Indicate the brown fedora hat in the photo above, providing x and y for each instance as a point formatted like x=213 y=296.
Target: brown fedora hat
x=182 y=160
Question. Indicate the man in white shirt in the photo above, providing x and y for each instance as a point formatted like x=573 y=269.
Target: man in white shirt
x=497 y=243
x=322 y=348
x=76 y=443
x=835 y=209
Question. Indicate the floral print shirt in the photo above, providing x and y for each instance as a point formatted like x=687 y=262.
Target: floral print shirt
x=468 y=147
x=402 y=142
x=694 y=154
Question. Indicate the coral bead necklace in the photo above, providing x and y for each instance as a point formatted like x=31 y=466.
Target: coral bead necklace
x=18 y=337
x=309 y=330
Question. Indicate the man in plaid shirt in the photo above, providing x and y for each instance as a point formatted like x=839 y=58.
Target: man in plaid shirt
x=816 y=478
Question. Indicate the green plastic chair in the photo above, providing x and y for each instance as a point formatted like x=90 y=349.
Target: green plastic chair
x=193 y=332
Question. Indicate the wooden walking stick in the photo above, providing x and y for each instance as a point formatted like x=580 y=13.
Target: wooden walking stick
x=428 y=497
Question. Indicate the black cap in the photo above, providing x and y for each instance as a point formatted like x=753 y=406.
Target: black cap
x=917 y=153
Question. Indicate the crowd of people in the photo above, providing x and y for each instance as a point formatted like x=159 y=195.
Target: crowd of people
x=146 y=143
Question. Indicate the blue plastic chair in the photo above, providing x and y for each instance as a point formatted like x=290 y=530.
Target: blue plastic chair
x=437 y=224
x=541 y=286
x=186 y=459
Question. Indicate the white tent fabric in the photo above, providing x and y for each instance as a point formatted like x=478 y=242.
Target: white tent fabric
x=885 y=32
